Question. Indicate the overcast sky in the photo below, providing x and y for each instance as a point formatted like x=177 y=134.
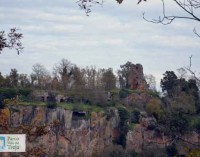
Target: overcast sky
x=109 y=37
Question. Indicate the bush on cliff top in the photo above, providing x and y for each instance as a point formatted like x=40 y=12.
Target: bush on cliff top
x=51 y=100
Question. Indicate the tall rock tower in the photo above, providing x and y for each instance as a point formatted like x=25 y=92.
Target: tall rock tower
x=136 y=78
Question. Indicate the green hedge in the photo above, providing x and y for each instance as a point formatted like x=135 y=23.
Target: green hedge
x=13 y=92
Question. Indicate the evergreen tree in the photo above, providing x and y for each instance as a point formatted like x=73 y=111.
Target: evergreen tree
x=51 y=100
x=2 y=105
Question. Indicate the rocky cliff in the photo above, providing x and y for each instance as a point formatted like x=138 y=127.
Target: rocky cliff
x=60 y=132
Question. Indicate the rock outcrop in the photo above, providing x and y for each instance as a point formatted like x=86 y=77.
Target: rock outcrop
x=144 y=138
x=53 y=131
x=136 y=78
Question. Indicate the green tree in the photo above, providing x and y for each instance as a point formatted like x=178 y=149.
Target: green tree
x=78 y=83
x=108 y=79
x=51 y=100
x=135 y=116
x=172 y=150
x=154 y=107
x=194 y=91
x=175 y=124
x=183 y=95
x=78 y=75
x=124 y=74
x=2 y=105
x=24 y=80
x=14 y=76
x=63 y=71
x=2 y=79
x=123 y=126
x=169 y=82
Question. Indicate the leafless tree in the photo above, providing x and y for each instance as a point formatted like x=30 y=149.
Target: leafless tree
x=41 y=74
x=63 y=71
x=192 y=72
x=182 y=73
x=151 y=81
x=11 y=40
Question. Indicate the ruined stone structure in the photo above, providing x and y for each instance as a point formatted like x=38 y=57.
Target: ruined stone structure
x=136 y=78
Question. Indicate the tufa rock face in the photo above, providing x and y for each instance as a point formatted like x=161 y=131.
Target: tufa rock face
x=54 y=132
x=136 y=78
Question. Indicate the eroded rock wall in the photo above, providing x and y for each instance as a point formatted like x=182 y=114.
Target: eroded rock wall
x=55 y=132
x=52 y=132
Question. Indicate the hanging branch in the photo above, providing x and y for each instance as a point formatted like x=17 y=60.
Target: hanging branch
x=87 y=4
x=11 y=40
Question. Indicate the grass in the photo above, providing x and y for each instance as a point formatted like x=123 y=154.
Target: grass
x=67 y=106
x=131 y=126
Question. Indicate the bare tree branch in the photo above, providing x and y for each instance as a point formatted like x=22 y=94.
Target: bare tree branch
x=166 y=19
x=195 y=32
x=193 y=73
x=191 y=7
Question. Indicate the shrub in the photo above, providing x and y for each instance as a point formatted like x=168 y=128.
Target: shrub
x=195 y=152
x=154 y=108
x=8 y=92
x=123 y=126
x=175 y=123
x=123 y=93
x=135 y=116
x=24 y=91
x=77 y=108
x=51 y=101
x=111 y=103
x=116 y=151
x=13 y=92
x=131 y=126
x=195 y=124
x=154 y=151
x=4 y=117
x=2 y=105
x=151 y=126
x=171 y=150
x=184 y=103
